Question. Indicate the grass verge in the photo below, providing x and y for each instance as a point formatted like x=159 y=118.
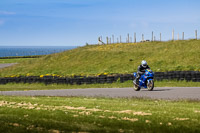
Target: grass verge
x=40 y=86
x=180 y=55
x=15 y=60
x=64 y=114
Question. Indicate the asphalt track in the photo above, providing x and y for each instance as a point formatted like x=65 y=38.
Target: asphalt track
x=170 y=93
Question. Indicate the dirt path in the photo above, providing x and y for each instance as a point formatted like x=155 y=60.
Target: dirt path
x=173 y=93
x=6 y=65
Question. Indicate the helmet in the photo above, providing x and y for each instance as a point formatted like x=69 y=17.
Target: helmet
x=144 y=64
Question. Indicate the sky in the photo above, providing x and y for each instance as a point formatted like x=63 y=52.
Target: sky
x=77 y=22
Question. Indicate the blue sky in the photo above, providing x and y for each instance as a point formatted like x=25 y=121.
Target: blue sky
x=75 y=22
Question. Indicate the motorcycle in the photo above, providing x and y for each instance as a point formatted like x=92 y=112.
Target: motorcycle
x=145 y=81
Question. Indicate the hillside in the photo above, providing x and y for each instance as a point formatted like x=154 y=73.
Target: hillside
x=113 y=58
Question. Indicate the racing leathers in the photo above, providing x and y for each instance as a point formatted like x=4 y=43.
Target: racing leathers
x=141 y=71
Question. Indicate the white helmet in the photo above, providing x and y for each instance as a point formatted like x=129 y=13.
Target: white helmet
x=144 y=64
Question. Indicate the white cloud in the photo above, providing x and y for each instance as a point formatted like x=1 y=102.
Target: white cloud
x=7 y=13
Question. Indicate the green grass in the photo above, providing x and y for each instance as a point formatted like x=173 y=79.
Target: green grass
x=64 y=114
x=15 y=60
x=114 y=58
x=40 y=86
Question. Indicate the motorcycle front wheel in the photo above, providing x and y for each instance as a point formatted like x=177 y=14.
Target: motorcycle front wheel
x=136 y=87
x=150 y=85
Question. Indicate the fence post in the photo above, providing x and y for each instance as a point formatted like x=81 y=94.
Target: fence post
x=128 y=38
x=113 y=38
x=134 y=37
x=152 y=36
x=160 y=37
x=99 y=40
x=183 y=36
x=196 y=34
x=120 y=38
x=107 y=40
x=117 y=40
x=142 y=37
x=110 y=40
x=173 y=35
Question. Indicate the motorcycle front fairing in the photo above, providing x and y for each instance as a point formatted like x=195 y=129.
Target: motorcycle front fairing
x=145 y=78
x=142 y=81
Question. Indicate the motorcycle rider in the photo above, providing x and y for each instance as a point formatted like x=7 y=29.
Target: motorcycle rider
x=141 y=71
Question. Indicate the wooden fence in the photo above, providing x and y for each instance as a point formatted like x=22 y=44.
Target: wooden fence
x=113 y=39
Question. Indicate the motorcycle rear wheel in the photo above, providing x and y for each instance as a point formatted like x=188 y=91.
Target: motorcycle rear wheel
x=150 y=85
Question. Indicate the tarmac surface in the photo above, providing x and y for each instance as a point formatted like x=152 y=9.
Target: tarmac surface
x=170 y=93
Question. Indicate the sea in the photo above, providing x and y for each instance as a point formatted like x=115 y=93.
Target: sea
x=7 y=51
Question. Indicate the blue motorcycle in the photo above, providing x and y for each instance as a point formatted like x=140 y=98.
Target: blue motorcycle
x=145 y=81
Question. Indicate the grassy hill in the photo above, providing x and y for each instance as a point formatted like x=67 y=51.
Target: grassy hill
x=114 y=58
